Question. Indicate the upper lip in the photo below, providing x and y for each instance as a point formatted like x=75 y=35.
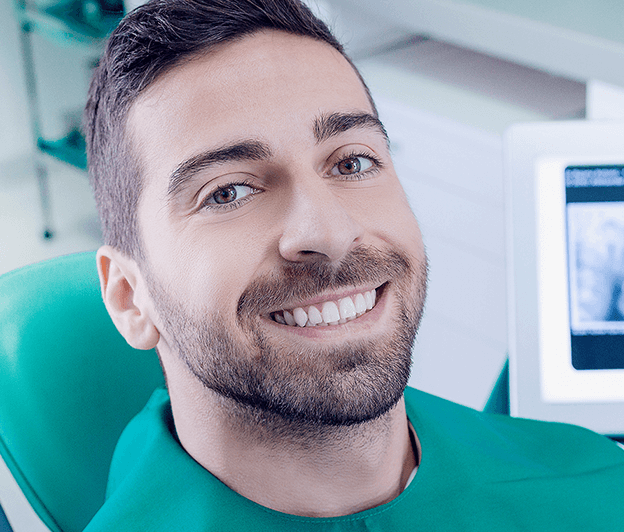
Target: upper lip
x=329 y=296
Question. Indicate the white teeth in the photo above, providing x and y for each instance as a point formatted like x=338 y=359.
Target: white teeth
x=314 y=316
x=360 y=304
x=301 y=317
x=368 y=298
x=347 y=308
x=330 y=312
x=290 y=320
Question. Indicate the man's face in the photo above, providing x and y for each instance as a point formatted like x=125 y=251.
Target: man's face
x=271 y=202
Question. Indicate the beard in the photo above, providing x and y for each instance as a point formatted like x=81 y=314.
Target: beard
x=265 y=375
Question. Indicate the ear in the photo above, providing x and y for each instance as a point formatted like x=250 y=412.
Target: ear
x=126 y=298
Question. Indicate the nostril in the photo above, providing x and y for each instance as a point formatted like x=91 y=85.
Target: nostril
x=309 y=255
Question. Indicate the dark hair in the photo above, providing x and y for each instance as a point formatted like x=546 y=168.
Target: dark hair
x=150 y=41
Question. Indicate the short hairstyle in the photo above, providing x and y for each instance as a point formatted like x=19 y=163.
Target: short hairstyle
x=149 y=42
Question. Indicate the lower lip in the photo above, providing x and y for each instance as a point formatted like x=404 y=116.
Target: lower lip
x=322 y=331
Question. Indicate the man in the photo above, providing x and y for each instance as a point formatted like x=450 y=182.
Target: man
x=258 y=237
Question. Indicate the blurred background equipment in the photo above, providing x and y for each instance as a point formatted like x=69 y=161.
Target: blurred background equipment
x=67 y=24
x=565 y=205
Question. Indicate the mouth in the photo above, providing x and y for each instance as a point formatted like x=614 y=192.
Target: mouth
x=330 y=312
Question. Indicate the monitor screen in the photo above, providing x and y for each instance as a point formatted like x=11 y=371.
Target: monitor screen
x=565 y=200
x=594 y=197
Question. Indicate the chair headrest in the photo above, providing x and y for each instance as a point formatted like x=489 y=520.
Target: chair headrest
x=69 y=384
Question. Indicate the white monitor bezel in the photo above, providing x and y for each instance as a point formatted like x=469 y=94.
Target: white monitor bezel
x=543 y=383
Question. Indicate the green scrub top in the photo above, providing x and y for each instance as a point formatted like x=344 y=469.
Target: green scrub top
x=482 y=472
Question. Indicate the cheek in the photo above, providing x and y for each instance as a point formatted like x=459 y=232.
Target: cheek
x=387 y=213
x=213 y=265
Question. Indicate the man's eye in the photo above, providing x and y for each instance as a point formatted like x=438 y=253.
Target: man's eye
x=229 y=194
x=352 y=166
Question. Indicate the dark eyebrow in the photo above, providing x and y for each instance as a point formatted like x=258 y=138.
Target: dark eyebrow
x=327 y=126
x=249 y=150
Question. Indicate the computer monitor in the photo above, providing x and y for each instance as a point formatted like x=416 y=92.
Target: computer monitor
x=565 y=227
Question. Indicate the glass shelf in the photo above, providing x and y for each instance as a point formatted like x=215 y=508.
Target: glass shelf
x=70 y=22
x=70 y=149
x=67 y=23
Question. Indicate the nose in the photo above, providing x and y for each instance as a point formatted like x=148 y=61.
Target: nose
x=317 y=225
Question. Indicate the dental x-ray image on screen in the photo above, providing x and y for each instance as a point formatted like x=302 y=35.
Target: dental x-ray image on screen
x=595 y=227
x=564 y=188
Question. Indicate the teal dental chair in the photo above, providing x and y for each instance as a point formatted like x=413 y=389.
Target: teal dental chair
x=69 y=384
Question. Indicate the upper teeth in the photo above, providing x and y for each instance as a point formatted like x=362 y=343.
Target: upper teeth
x=329 y=312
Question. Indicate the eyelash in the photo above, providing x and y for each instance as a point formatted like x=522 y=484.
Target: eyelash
x=377 y=165
x=227 y=206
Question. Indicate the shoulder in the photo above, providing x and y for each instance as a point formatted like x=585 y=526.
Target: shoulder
x=152 y=480
x=513 y=447
x=509 y=473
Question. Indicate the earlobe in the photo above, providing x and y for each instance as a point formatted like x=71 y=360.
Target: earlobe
x=125 y=295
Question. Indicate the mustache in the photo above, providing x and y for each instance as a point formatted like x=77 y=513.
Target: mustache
x=303 y=280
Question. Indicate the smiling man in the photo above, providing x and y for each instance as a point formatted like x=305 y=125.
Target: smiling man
x=258 y=237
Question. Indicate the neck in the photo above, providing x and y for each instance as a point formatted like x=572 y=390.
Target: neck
x=317 y=471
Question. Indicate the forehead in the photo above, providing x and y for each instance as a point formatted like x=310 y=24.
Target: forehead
x=269 y=85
